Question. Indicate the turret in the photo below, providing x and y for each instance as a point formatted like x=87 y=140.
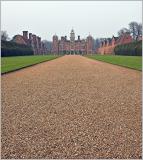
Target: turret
x=55 y=44
x=72 y=36
x=89 y=44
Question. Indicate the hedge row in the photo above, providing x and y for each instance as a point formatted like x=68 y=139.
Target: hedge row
x=130 y=49
x=9 y=48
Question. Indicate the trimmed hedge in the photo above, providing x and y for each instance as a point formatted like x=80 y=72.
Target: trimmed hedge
x=130 y=49
x=9 y=48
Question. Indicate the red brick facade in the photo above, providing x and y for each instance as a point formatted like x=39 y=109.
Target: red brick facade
x=107 y=46
x=72 y=46
x=31 y=40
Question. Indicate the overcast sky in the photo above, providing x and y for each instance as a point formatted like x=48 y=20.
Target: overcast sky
x=101 y=19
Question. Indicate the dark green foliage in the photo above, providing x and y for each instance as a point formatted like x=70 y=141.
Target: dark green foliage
x=9 y=48
x=130 y=49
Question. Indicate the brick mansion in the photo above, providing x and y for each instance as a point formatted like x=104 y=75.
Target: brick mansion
x=108 y=45
x=80 y=46
x=72 y=46
x=32 y=40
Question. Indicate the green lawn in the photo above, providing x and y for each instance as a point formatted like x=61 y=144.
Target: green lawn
x=14 y=63
x=134 y=62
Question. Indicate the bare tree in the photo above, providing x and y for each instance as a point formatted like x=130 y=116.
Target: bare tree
x=139 y=29
x=97 y=43
x=4 y=36
x=122 y=31
x=134 y=29
x=48 y=45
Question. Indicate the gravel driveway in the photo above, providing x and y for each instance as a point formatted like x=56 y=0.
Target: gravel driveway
x=71 y=107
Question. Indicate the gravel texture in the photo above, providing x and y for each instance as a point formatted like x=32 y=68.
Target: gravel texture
x=71 y=107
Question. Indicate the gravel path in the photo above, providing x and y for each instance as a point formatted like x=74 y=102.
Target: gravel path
x=71 y=107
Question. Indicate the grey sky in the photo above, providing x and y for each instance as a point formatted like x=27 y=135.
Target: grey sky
x=45 y=18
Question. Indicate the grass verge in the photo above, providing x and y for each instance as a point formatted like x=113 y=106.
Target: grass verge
x=9 y=64
x=133 y=62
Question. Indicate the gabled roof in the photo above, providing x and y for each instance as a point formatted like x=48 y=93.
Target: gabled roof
x=116 y=38
x=16 y=36
x=25 y=40
x=123 y=37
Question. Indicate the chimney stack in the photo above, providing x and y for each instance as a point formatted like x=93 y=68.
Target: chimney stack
x=25 y=34
x=78 y=37
x=62 y=38
x=30 y=36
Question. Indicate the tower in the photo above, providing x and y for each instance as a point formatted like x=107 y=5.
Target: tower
x=39 y=45
x=35 y=44
x=72 y=36
x=55 y=48
x=72 y=42
x=89 y=42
